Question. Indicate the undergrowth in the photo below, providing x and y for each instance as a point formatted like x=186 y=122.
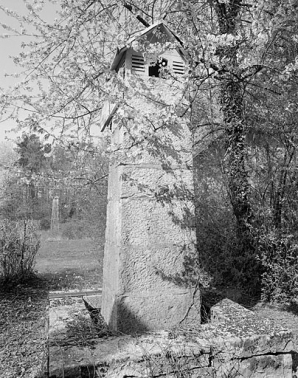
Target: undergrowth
x=19 y=244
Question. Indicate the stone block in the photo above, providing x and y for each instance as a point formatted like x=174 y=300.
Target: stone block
x=267 y=366
x=216 y=350
x=150 y=232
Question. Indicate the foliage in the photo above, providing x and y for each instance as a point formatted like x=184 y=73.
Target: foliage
x=22 y=184
x=45 y=224
x=23 y=197
x=241 y=85
x=77 y=175
x=19 y=244
x=222 y=255
x=279 y=254
x=83 y=194
x=8 y=156
x=31 y=153
x=73 y=230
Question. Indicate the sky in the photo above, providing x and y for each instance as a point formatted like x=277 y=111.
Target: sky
x=11 y=47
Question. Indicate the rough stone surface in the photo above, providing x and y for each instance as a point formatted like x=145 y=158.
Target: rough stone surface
x=150 y=230
x=225 y=348
x=258 y=347
x=93 y=301
x=61 y=316
x=70 y=328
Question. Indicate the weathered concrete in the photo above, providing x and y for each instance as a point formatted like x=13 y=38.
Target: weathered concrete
x=237 y=344
x=150 y=231
x=146 y=241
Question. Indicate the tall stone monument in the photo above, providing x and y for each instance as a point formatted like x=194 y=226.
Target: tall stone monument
x=55 y=216
x=150 y=228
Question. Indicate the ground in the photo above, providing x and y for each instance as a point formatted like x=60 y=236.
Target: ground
x=70 y=264
x=61 y=265
x=64 y=265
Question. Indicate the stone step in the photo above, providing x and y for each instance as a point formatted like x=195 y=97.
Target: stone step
x=236 y=339
x=63 y=294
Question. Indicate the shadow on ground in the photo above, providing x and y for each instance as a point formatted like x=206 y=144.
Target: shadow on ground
x=73 y=279
x=70 y=264
x=23 y=309
x=61 y=265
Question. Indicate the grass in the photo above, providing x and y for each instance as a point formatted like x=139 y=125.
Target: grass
x=60 y=265
x=70 y=264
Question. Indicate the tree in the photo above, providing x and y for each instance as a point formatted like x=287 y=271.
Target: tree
x=226 y=40
x=231 y=46
x=31 y=153
x=8 y=156
x=40 y=172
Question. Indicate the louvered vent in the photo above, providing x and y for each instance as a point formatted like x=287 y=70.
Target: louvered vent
x=178 y=67
x=137 y=64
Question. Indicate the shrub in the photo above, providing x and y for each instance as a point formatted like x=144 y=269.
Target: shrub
x=45 y=224
x=279 y=257
x=19 y=243
x=229 y=260
x=74 y=230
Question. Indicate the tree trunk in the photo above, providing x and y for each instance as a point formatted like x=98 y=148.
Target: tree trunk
x=237 y=176
x=280 y=191
x=231 y=100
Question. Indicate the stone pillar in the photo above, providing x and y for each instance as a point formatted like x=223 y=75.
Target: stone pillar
x=148 y=236
x=55 y=217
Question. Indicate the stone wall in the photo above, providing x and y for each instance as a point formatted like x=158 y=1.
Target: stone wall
x=237 y=343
